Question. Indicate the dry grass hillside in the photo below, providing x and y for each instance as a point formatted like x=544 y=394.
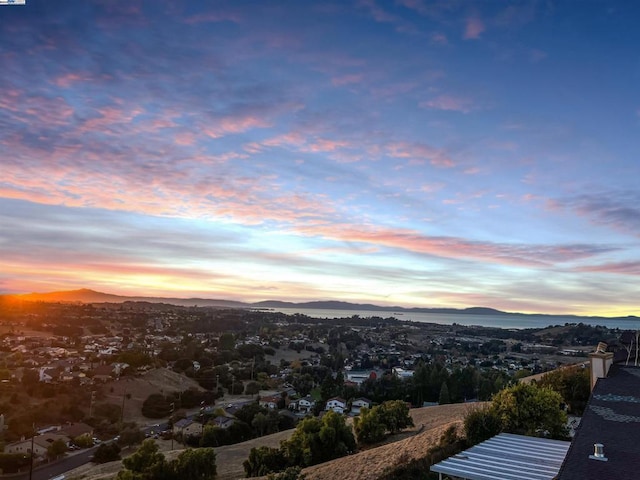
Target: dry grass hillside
x=429 y=423
x=158 y=380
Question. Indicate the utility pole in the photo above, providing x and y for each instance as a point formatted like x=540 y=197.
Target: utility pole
x=124 y=394
x=202 y=417
x=33 y=434
x=173 y=406
x=93 y=396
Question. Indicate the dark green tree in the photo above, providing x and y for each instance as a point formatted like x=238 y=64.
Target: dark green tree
x=107 y=452
x=527 y=409
x=264 y=460
x=481 y=424
x=56 y=449
x=316 y=441
x=444 y=398
x=198 y=464
x=368 y=426
x=147 y=463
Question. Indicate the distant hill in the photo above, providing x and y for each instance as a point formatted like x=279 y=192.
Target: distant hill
x=85 y=295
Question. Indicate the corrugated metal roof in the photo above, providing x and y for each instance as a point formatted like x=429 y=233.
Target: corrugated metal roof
x=507 y=457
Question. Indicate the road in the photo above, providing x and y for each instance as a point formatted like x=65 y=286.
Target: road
x=77 y=459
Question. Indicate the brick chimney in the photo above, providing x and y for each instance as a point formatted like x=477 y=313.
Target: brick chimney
x=601 y=361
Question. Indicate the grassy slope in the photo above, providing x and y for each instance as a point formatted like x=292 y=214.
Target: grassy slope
x=429 y=422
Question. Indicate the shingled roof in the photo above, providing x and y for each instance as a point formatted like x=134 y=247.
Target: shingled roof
x=612 y=418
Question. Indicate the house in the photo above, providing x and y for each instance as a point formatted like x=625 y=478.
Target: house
x=271 y=402
x=48 y=375
x=24 y=447
x=359 y=403
x=306 y=404
x=336 y=404
x=76 y=430
x=40 y=444
x=223 y=422
x=359 y=376
x=187 y=427
x=402 y=373
x=103 y=373
x=606 y=442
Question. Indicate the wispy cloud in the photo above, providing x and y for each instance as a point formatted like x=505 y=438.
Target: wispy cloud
x=420 y=153
x=449 y=103
x=379 y=14
x=620 y=210
x=439 y=38
x=473 y=29
x=622 y=268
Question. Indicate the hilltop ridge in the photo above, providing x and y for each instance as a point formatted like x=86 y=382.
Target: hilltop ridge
x=85 y=295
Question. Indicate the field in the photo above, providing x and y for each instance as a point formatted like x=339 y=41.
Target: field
x=159 y=380
x=430 y=422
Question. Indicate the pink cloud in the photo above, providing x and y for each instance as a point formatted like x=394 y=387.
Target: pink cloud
x=232 y=125
x=622 y=268
x=421 y=152
x=473 y=28
x=185 y=139
x=536 y=55
x=68 y=79
x=438 y=38
x=213 y=17
x=453 y=247
x=382 y=16
x=449 y=103
x=326 y=145
x=347 y=79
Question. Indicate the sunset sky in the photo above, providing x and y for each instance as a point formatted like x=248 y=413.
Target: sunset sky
x=408 y=152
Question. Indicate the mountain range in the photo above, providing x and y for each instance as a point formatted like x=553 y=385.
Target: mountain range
x=85 y=295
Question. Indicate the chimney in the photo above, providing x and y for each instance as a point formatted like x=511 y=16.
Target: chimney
x=598 y=453
x=601 y=361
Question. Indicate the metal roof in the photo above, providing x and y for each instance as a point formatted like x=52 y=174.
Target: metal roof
x=507 y=457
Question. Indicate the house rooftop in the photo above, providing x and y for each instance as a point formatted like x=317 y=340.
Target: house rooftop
x=611 y=418
x=507 y=457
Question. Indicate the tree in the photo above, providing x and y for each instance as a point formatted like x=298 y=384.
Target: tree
x=30 y=377
x=199 y=464
x=260 y=423
x=56 y=449
x=83 y=441
x=291 y=473
x=226 y=342
x=368 y=426
x=147 y=463
x=395 y=416
x=249 y=411
x=156 y=406
x=481 y=424
x=107 y=452
x=316 y=441
x=372 y=425
x=131 y=436
x=527 y=409
x=444 y=394
x=573 y=384
x=252 y=388
x=264 y=460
